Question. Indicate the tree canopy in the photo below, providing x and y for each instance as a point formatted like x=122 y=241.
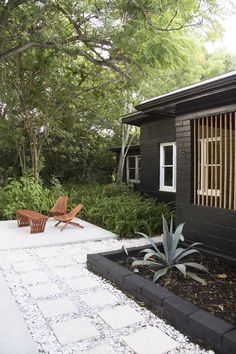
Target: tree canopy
x=69 y=69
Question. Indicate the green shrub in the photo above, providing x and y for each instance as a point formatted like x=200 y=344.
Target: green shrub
x=118 y=209
x=24 y=194
x=113 y=207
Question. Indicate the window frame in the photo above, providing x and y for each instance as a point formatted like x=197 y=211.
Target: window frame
x=136 y=168
x=204 y=166
x=163 y=187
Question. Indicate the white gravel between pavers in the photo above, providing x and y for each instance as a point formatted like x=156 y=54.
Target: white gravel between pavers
x=41 y=328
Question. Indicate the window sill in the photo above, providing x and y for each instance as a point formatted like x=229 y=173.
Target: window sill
x=167 y=190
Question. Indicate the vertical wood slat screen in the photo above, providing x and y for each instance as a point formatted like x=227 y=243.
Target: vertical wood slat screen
x=214 y=161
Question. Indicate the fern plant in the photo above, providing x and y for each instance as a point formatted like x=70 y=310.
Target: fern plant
x=172 y=257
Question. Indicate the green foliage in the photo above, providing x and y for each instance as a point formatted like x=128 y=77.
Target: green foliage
x=172 y=256
x=113 y=207
x=25 y=194
x=118 y=209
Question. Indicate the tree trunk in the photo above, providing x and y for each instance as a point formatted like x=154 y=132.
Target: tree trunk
x=125 y=144
x=35 y=160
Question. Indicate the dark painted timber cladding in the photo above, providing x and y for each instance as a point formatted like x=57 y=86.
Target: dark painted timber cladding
x=162 y=130
x=215 y=227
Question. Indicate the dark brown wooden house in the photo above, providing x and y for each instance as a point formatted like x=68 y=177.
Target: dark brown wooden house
x=188 y=154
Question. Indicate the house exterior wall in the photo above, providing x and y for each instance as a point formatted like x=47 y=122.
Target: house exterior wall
x=215 y=227
x=131 y=152
x=160 y=130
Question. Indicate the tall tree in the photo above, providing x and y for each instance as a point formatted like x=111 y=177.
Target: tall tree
x=54 y=55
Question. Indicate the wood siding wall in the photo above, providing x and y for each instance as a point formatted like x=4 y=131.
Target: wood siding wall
x=152 y=134
x=215 y=227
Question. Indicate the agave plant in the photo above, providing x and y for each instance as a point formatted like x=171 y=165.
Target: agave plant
x=172 y=257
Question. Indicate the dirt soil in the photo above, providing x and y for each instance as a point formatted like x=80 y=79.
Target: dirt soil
x=218 y=296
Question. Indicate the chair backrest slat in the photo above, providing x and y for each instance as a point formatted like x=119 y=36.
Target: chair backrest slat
x=60 y=205
x=75 y=211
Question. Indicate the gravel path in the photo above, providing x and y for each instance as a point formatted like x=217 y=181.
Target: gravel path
x=52 y=287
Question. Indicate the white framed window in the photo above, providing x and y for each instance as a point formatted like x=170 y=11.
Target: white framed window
x=168 y=167
x=133 y=168
x=210 y=152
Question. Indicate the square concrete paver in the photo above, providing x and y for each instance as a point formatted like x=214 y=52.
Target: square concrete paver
x=67 y=272
x=121 y=316
x=26 y=266
x=100 y=349
x=56 y=307
x=74 y=330
x=58 y=261
x=21 y=257
x=44 y=290
x=99 y=298
x=81 y=283
x=150 y=341
x=34 y=277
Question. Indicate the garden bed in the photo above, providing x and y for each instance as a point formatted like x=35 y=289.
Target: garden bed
x=190 y=317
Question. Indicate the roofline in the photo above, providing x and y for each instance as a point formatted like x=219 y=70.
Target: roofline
x=201 y=87
x=131 y=147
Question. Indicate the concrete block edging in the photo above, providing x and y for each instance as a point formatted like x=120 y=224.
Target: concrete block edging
x=182 y=314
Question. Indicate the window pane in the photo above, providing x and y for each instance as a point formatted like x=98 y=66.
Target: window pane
x=168 y=155
x=132 y=174
x=132 y=162
x=168 y=181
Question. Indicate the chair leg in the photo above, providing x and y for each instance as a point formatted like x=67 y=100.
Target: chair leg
x=58 y=223
x=67 y=223
x=76 y=224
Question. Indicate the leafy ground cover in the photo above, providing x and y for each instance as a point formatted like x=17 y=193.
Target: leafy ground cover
x=114 y=207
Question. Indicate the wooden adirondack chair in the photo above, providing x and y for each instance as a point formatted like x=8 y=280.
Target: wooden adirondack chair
x=60 y=207
x=67 y=218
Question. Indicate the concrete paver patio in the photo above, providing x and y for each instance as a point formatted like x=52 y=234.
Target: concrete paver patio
x=12 y=236
x=69 y=310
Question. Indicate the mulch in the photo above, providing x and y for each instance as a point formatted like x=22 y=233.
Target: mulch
x=218 y=296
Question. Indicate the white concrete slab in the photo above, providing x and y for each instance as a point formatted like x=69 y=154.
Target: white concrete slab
x=56 y=307
x=150 y=341
x=12 y=236
x=121 y=316
x=67 y=272
x=33 y=278
x=14 y=335
x=59 y=261
x=82 y=283
x=25 y=266
x=44 y=290
x=74 y=330
x=99 y=298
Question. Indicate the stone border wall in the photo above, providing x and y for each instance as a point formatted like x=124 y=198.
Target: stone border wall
x=197 y=323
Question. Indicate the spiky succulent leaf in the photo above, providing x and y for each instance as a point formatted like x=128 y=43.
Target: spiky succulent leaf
x=196 y=278
x=171 y=225
x=146 y=263
x=160 y=273
x=162 y=256
x=186 y=252
x=154 y=255
x=197 y=266
x=181 y=268
x=167 y=240
x=176 y=237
